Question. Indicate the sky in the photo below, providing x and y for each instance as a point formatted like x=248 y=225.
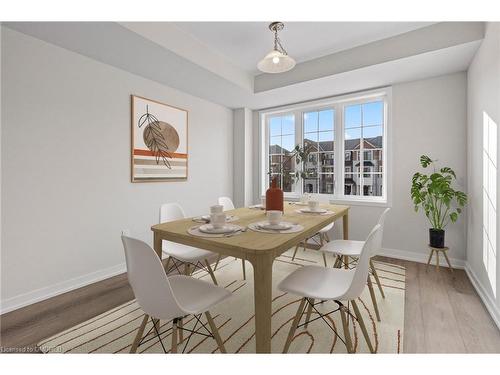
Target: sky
x=360 y=120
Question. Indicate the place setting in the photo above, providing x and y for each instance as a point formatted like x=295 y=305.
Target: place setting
x=218 y=224
x=311 y=207
x=274 y=224
x=205 y=219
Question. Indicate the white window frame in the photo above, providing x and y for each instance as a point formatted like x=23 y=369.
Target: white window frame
x=337 y=103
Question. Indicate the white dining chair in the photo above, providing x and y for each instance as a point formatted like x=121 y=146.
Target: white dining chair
x=347 y=250
x=192 y=257
x=228 y=205
x=323 y=238
x=340 y=285
x=174 y=298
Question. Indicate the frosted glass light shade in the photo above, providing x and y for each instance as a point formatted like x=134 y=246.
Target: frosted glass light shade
x=276 y=62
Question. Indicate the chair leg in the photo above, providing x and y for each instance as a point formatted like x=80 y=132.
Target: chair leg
x=295 y=323
x=326 y=237
x=374 y=299
x=217 y=263
x=338 y=262
x=215 y=332
x=346 y=262
x=377 y=280
x=310 y=302
x=139 y=334
x=210 y=272
x=174 y=336
x=295 y=251
x=244 y=269
x=345 y=325
x=167 y=264
x=187 y=270
x=324 y=260
x=362 y=326
x=180 y=324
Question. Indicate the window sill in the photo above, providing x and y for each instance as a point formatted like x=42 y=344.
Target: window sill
x=326 y=198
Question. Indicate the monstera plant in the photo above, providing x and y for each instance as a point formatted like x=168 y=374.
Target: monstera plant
x=435 y=195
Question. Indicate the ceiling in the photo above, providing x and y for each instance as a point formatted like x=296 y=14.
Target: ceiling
x=182 y=61
x=245 y=43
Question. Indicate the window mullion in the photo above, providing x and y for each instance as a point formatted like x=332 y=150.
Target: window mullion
x=299 y=140
x=339 y=152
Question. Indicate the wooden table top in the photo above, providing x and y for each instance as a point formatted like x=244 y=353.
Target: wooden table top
x=250 y=242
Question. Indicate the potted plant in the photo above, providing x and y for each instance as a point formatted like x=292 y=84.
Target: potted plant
x=274 y=195
x=440 y=202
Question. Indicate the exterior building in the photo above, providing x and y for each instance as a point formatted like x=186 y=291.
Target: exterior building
x=371 y=170
x=362 y=177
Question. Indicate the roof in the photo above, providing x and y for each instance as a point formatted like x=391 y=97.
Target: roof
x=352 y=144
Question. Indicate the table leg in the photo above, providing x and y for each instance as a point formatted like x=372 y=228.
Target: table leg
x=262 y=274
x=157 y=244
x=345 y=225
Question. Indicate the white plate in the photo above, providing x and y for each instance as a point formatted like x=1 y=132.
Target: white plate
x=308 y=211
x=209 y=228
x=281 y=226
x=207 y=218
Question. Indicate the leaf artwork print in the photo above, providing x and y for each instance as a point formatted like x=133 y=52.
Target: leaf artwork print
x=154 y=138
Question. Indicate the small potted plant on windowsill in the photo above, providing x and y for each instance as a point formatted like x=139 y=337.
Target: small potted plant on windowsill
x=440 y=202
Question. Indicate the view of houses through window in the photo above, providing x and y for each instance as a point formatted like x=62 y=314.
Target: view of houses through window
x=361 y=127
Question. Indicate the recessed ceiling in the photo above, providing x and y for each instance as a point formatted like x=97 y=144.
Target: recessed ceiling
x=245 y=43
x=178 y=60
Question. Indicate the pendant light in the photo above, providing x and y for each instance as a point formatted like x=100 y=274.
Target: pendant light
x=276 y=61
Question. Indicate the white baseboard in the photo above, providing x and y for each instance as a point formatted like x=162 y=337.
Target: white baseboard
x=41 y=294
x=420 y=257
x=484 y=295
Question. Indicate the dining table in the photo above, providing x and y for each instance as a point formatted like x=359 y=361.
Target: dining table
x=260 y=249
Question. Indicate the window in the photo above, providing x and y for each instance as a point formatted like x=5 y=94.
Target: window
x=281 y=144
x=318 y=137
x=490 y=153
x=363 y=129
x=349 y=132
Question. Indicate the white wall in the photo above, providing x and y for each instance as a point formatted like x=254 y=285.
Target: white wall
x=66 y=187
x=428 y=117
x=242 y=161
x=483 y=81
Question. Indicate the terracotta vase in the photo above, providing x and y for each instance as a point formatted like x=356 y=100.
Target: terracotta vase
x=274 y=197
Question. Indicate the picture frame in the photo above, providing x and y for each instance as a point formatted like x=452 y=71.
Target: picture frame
x=159 y=141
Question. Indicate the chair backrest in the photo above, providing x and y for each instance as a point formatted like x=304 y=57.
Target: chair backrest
x=378 y=243
x=227 y=203
x=170 y=212
x=361 y=270
x=149 y=281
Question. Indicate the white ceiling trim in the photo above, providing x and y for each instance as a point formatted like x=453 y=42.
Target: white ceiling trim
x=168 y=35
x=115 y=45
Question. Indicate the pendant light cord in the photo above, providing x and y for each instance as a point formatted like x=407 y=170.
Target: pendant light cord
x=277 y=43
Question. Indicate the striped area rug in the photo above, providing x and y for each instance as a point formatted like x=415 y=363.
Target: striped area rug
x=114 y=331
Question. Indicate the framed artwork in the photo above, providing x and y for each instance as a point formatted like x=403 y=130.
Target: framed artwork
x=159 y=141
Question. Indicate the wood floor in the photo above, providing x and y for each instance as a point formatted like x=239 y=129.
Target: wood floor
x=443 y=313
